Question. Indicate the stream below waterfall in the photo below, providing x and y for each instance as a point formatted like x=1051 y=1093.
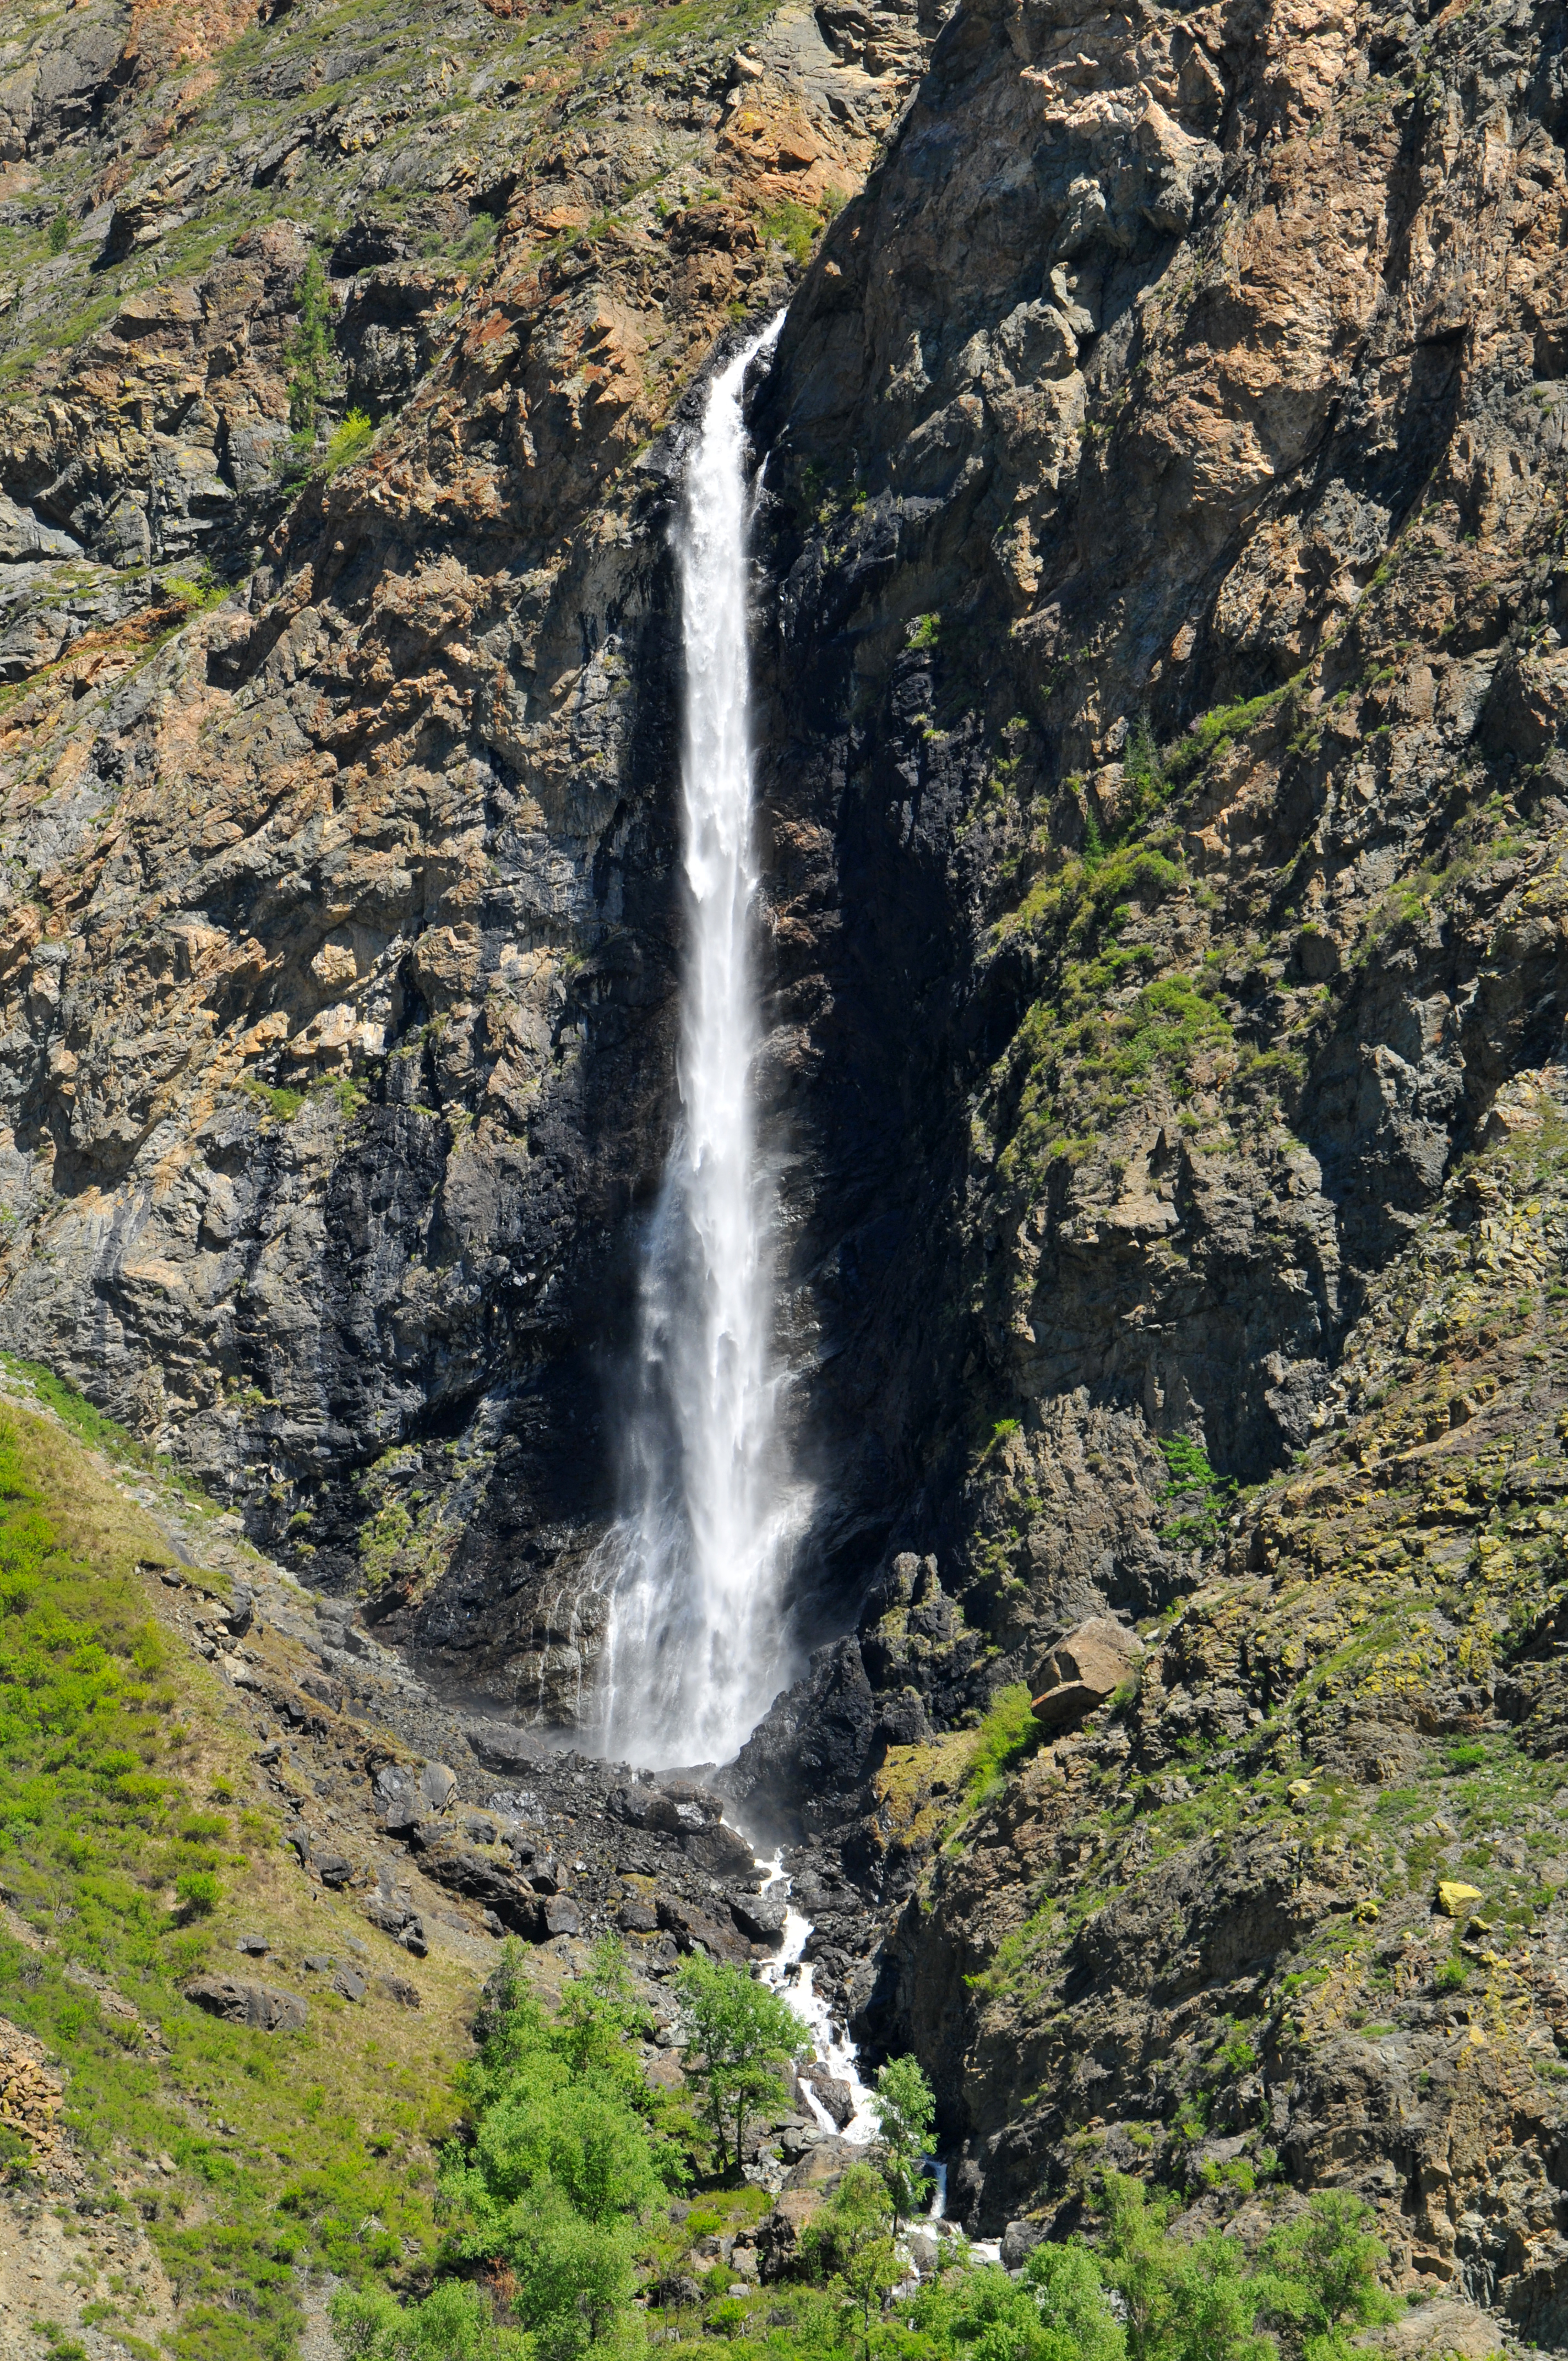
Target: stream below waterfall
x=789 y=1973
x=791 y=1976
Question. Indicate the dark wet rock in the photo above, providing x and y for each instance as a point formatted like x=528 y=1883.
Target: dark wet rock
x=695 y=1927
x=834 y=2096
x=722 y=1852
x=501 y=1747
x=761 y=1917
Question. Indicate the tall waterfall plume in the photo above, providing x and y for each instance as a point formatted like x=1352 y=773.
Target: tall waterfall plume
x=697 y=1642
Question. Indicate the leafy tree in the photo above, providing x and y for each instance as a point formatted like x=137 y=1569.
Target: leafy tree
x=1068 y=2290
x=905 y=2109
x=60 y=231
x=852 y=2237
x=1058 y=2311
x=1320 y=2273
x=1215 y=2303
x=1191 y=1478
x=742 y=2034
x=600 y=2015
x=1182 y=2301
x=457 y=2322
x=309 y=349
x=550 y=2192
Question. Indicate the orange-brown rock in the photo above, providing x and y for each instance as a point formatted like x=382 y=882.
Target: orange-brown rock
x=1082 y=1670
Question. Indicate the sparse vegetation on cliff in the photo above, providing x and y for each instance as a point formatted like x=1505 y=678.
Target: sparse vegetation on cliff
x=123 y=1882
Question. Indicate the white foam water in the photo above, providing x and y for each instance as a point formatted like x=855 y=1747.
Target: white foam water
x=790 y=1974
x=697 y=1643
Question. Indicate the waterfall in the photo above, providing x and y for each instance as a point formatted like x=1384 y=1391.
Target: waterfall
x=697 y=1643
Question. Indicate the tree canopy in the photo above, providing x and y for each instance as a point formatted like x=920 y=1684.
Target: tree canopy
x=741 y=2034
x=567 y=2237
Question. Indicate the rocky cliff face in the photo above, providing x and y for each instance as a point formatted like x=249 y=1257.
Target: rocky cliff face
x=1169 y=499
x=340 y=953
x=1163 y=779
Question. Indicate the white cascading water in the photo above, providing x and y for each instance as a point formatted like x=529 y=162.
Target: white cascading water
x=790 y=1974
x=697 y=1643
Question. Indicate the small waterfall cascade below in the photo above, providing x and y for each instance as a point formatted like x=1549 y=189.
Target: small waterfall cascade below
x=789 y=1974
x=696 y=1642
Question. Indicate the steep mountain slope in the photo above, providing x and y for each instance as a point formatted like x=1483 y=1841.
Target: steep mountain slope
x=394 y=816
x=1288 y=1905
x=1170 y=478
x=212 y=2084
x=1162 y=707
x=255 y=1888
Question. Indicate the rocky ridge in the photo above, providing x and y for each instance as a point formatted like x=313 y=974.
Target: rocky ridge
x=1288 y=1903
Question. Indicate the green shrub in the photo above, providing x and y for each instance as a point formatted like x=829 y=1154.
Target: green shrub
x=350 y=441
x=795 y=226
x=309 y=350
x=1008 y=1732
x=457 y=2322
x=1213 y=734
x=197 y=1893
x=1190 y=1478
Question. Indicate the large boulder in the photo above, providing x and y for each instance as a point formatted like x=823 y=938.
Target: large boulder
x=260 y=2005
x=462 y=1869
x=677 y=1807
x=722 y=1851
x=401 y=1921
x=1083 y=1670
x=761 y=1916
x=1442 y=2329
x=692 y=1928
x=778 y=2234
x=437 y=1786
x=501 y=1747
